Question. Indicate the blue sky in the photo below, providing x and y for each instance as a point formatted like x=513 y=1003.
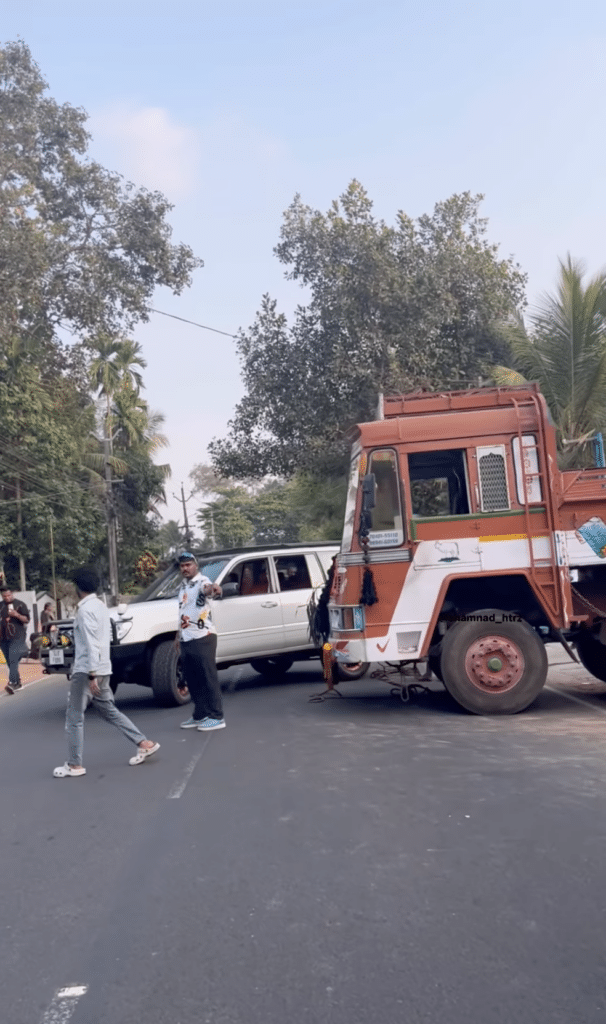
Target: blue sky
x=232 y=108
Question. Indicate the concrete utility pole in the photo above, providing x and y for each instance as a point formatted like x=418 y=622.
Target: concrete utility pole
x=110 y=512
x=188 y=533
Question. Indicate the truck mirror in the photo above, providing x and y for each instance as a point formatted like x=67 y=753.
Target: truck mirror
x=368 y=492
x=230 y=589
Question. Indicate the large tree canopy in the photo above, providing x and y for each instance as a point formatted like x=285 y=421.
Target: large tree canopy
x=79 y=247
x=391 y=308
x=80 y=250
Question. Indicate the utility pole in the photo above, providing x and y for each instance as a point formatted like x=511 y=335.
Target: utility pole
x=112 y=545
x=183 y=499
x=52 y=547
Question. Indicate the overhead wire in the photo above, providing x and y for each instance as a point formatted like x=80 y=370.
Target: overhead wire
x=193 y=322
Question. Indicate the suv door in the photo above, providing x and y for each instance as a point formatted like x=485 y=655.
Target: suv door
x=249 y=622
x=297 y=576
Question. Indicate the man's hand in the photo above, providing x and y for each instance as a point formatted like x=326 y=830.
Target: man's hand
x=185 y=620
x=94 y=687
x=212 y=590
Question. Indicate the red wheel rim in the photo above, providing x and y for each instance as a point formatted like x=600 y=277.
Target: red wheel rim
x=494 y=664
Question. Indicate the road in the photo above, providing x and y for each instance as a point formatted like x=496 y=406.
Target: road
x=348 y=862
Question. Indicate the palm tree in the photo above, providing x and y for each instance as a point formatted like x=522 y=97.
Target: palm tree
x=113 y=366
x=565 y=352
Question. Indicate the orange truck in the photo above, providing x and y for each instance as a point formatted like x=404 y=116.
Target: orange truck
x=466 y=548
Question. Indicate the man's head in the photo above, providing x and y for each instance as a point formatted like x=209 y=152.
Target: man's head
x=86 y=580
x=188 y=565
x=48 y=606
x=7 y=594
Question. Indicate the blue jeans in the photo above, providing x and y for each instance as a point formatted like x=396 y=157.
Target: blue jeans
x=13 y=651
x=77 y=702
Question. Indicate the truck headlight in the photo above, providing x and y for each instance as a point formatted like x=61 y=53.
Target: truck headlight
x=347 y=618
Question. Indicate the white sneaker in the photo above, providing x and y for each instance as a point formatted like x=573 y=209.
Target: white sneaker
x=66 y=769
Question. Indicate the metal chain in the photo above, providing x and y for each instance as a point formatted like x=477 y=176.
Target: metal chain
x=598 y=611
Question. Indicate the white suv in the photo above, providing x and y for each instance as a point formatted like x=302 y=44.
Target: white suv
x=261 y=618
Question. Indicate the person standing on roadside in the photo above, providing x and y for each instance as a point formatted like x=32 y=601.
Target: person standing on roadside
x=197 y=639
x=90 y=678
x=47 y=616
x=14 y=615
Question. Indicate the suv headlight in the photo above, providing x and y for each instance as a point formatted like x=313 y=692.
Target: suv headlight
x=123 y=627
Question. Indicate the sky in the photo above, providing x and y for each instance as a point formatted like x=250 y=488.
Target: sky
x=232 y=108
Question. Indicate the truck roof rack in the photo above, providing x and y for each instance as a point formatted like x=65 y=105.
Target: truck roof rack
x=416 y=403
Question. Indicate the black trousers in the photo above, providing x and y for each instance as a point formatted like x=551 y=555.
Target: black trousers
x=198 y=662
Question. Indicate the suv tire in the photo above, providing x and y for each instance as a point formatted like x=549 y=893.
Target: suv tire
x=272 y=668
x=352 y=669
x=165 y=676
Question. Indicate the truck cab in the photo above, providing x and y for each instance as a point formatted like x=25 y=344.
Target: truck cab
x=465 y=546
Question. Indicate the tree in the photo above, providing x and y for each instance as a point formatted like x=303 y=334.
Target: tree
x=83 y=250
x=79 y=247
x=392 y=308
x=564 y=350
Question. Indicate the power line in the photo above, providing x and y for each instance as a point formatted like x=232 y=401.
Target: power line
x=193 y=322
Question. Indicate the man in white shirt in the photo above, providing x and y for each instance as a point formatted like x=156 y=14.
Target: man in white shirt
x=198 y=646
x=90 y=678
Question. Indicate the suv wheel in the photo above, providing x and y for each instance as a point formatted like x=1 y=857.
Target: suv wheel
x=352 y=669
x=165 y=676
x=272 y=668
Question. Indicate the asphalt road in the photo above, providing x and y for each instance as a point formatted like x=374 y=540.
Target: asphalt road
x=349 y=862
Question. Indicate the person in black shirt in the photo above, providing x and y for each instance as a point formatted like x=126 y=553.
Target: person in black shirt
x=14 y=615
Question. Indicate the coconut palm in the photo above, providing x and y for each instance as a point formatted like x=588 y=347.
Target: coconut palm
x=565 y=352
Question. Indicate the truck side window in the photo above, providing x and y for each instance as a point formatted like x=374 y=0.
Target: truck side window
x=386 y=528
x=438 y=483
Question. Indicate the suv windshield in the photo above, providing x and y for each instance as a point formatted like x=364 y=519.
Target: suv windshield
x=168 y=584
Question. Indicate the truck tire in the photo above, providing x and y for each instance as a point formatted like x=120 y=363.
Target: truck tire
x=272 y=668
x=492 y=666
x=352 y=670
x=165 y=677
x=592 y=654
x=434 y=662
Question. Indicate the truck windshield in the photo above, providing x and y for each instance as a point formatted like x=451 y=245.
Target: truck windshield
x=386 y=529
x=350 y=507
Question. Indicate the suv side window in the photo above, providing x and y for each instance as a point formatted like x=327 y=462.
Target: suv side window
x=251 y=576
x=293 y=573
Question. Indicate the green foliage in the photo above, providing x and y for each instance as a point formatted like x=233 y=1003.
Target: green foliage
x=83 y=250
x=78 y=245
x=282 y=512
x=564 y=350
x=391 y=308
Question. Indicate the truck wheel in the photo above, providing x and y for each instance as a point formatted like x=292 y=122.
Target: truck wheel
x=165 y=676
x=592 y=654
x=352 y=669
x=492 y=666
x=272 y=668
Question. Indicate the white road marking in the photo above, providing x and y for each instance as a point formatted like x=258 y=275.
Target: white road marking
x=64 y=1004
x=577 y=700
x=179 y=787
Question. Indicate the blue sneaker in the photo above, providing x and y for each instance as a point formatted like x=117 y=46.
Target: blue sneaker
x=208 y=724
x=192 y=723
